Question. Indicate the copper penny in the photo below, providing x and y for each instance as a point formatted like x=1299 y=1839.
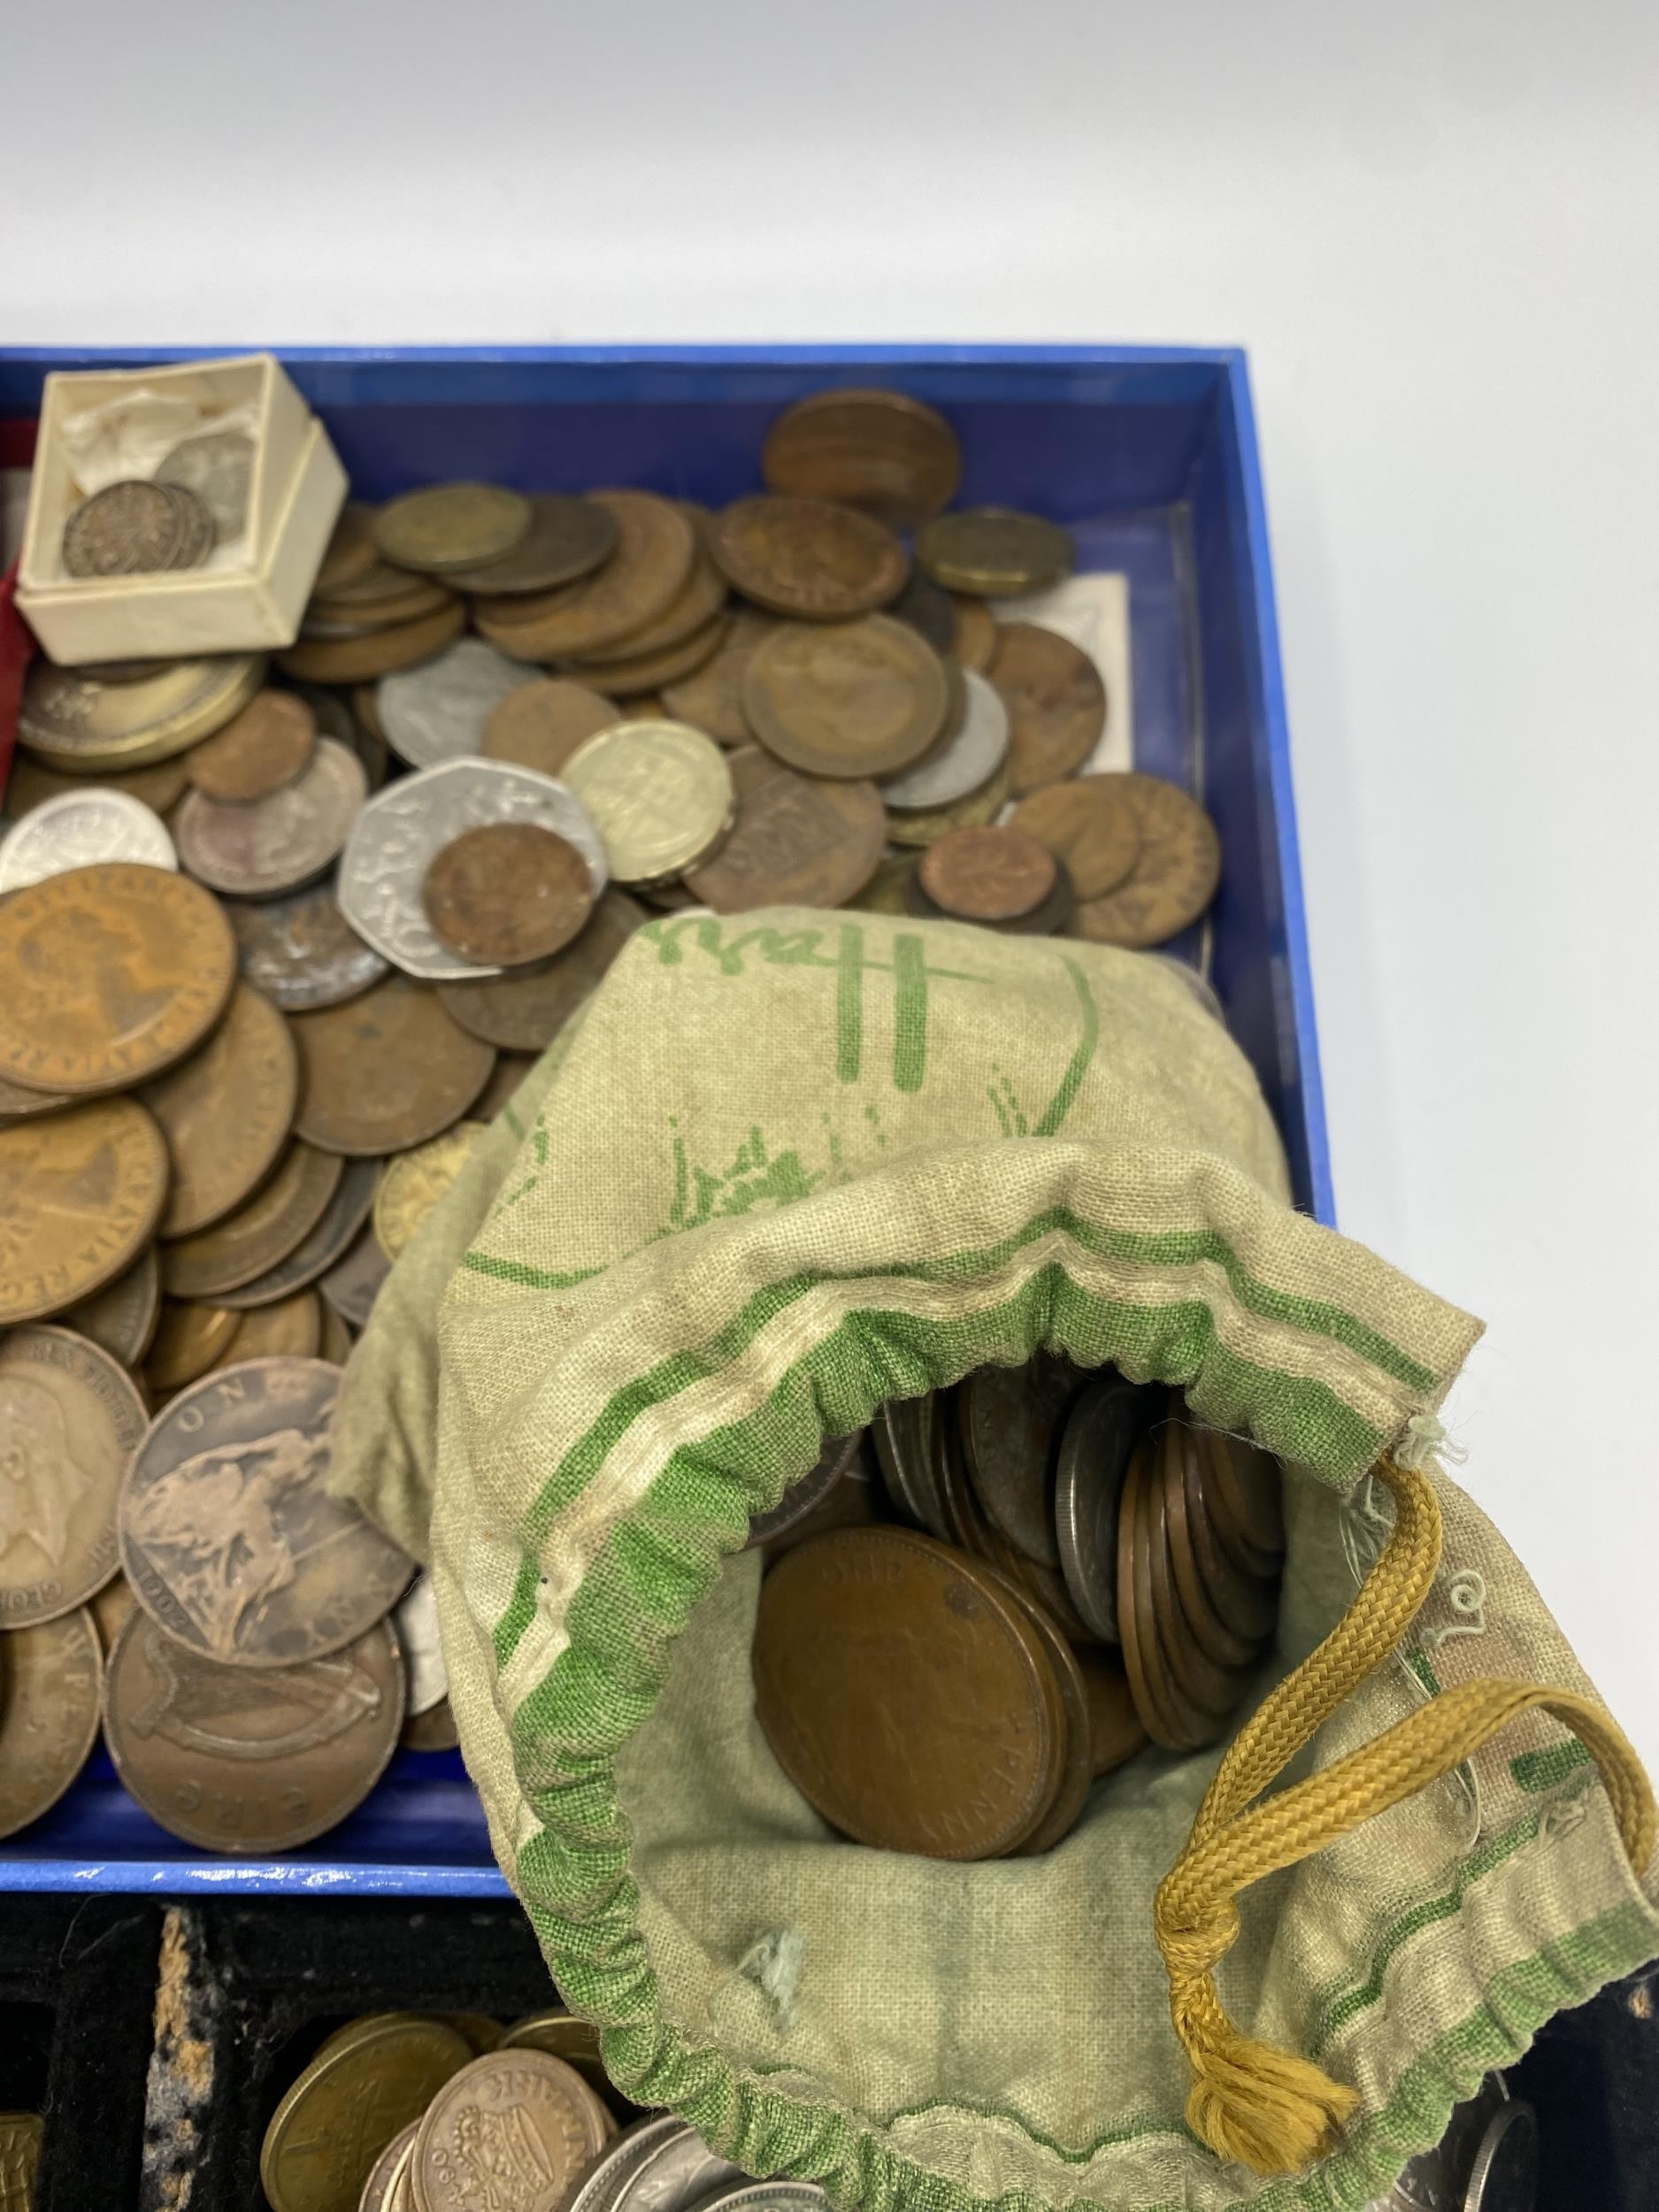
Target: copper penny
x=353 y=660
x=994 y=551
x=864 y=698
x=301 y=953
x=568 y=537
x=49 y=1717
x=30 y=785
x=507 y=893
x=289 y=1328
x=694 y=606
x=351 y=551
x=711 y=698
x=1175 y=875
x=1211 y=1686
x=988 y=875
x=317 y=1251
x=1056 y=702
x=540 y=724
x=226 y=1113
x=120 y=1319
x=1168 y=1715
x=17 y=1104
x=365 y=2086
x=191 y=1337
x=1009 y=1420
x=977 y=634
x=111 y=974
x=884 y=452
x=1247 y=1486
x=798 y=841
x=1115 y=1730
x=386 y=1071
x=229 y=1536
x=534 y=2104
x=647 y=672
x=446 y=526
x=258 y=751
x=69 y=1419
x=1087 y=824
x=351 y=1286
x=905 y=1696
x=260 y=848
x=808 y=558
x=80 y=1192
x=1206 y=1608
x=655 y=548
x=1245 y=1599
x=258 y=1234
x=235 y=1759
x=525 y=1012
x=1078 y=1772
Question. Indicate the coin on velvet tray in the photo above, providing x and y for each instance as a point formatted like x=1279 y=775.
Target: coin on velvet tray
x=359 y=2091
x=507 y=893
x=526 y=2098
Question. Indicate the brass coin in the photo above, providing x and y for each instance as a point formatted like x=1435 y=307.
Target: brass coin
x=507 y=893
x=49 y=1714
x=1247 y=1489
x=988 y=875
x=540 y=724
x=22 y=2134
x=258 y=751
x=798 y=841
x=567 y=538
x=1011 y=1420
x=864 y=698
x=977 y=635
x=32 y=784
x=120 y=1319
x=523 y=2098
x=449 y=527
x=884 y=452
x=655 y=548
x=660 y=795
x=711 y=698
x=351 y=1286
x=190 y=1338
x=327 y=2134
x=525 y=1012
x=301 y=953
x=1115 y=1730
x=75 y=723
x=1206 y=1609
x=921 y=827
x=226 y=1113
x=1212 y=1687
x=995 y=552
x=261 y=847
x=434 y=1730
x=319 y=1251
x=289 y=1328
x=353 y=660
x=807 y=558
x=561 y=2035
x=646 y=672
x=82 y=1192
x=385 y=1072
x=1087 y=823
x=350 y=553
x=229 y=1536
x=1056 y=702
x=334 y=1340
x=110 y=973
x=884 y=894
x=134 y=529
x=69 y=1418
x=413 y=1184
x=377 y=2190
x=694 y=606
x=1174 y=877
x=259 y=1235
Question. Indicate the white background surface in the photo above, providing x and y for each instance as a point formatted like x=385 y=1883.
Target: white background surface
x=1435 y=228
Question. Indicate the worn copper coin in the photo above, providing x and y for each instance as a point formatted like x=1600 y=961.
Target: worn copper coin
x=654 y=549
x=1168 y=1715
x=1213 y=1686
x=386 y=1071
x=509 y=893
x=1174 y=877
x=711 y=698
x=69 y=1418
x=18 y=1104
x=647 y=672
x=540 y=724
x=191 y=1337
x=111 y=974
x=289 y=1328
x=515 y=2115
x=120 y=1319
x=317 y=1251
x=561 y=2035
x=260 y=848
x=301 y=953
x=414 y=1182
x=385 y=599
x=1088 y=824
x=450 y=527
x=567 y=538
x=1244 y=1596
x=258 y=751
x=882 y=451
x=1208 y=1607
x=798 y=841
x=865 y=698
x=988 y=875
x=80 y=1192
x=258 y=1234
x=1247 y=1490
x=226 y=1113
x=352 y=660
x=1009 y=1420
x=993 y=552
x=694 y=606
x=48 y=1714
x=1099 y=1434
x=329 y=2131
x=351 y=1286
x=31 y=784
x=905 y=1697
x=350 y=552
x=1114 y=1731
x=1056 y=702
x=808 y=558
x=229 y=1537
x=217 y=466
x=659 y=794
x=77 y=723
x=136 y=527
x=1078 y=1772
x=904 y=1434
x=525 y=1012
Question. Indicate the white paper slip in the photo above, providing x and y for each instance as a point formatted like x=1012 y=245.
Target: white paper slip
x=1093 y=611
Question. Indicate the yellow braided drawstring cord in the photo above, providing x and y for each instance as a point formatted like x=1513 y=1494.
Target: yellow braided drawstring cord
x=1271 y=2109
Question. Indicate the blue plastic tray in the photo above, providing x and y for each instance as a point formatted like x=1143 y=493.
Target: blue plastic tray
x=1149 y=456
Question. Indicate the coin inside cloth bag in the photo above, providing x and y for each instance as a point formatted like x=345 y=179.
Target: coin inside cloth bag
x=790 y=1164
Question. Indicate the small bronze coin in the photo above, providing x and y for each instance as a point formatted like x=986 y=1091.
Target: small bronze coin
x=978 y=634
x=317 y=1252
x=80 y=1192
x=884 y=452
x=74 y=722
x=261 y=847
x=1100 y=1432
x=350 y=552
x=111 y=973
x=525 y=1012
x=567 y=538
x=226 y=1113
x=258 y=751
x=131 y=528
x=229 y=1536
x=191 y=1338
x=450 y=527
x=301 y=953
x=1089 y=825
x=327 y=2134
x=31 y=784
x=645 y=673
x=863 y=699
x=240 y=1760
x=798 y=841
x=540 y=724
x=49 y=1715
x=1078 y=1772
x=524 y=2098
x=988 y=875
x=1056 y=702
x=711 y=698
x=289 y=1328
x=414 y=1183
x=258 y=1235
x=386 y=1071
x=1206 y=1609
x=1011 y=1420
x=69 y=1419
x=1174 y=877
x=507 y=893
x=993 y=552
x=351 y=1286
x=655 y=548
x=807 y=558
x=1210 y=1685
x=120 y=1319
x=1170 y=1717
x=352 y=660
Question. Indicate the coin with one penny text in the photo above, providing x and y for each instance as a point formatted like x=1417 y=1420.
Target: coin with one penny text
x=258 y=751
x=69 y=1419
x=509 y=893
x=386 y=1071
x=865 y=698
x=49 y=1715
x=80 y=1192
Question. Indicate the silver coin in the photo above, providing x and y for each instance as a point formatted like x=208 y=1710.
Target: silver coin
x=415 y=1617
x=603 y=2181
x=342 y=1217
x=301 y=953
x=1100 y=1433
x=678 y=2174
x=78 y=830
x=437 y=711
x=217 y=466
x=253 y=849
x=966 y=763
x=806 y=1496
x=768 y=2196
x=352 y=1284
x=402 y=827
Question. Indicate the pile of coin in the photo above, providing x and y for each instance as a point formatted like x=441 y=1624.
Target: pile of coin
x=1082 y=1567
x=196 y=499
